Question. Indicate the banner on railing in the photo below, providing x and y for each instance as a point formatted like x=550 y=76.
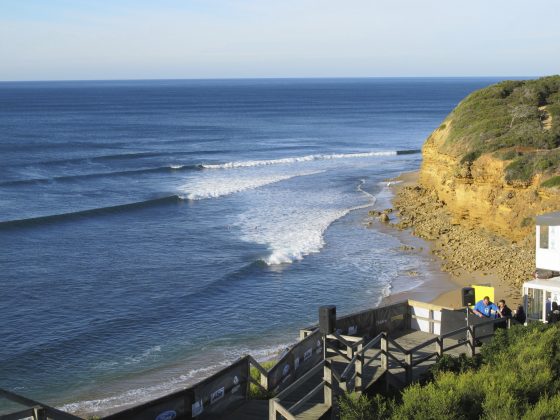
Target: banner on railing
x=301 y=358
x=216 y=394
x=173 y=406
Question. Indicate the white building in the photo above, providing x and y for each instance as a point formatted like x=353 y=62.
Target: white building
x=538 y=294
x=548 y=242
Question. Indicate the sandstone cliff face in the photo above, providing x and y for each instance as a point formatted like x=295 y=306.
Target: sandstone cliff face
x=477 y=193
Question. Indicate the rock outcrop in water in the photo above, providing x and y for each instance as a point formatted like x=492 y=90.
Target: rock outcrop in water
x=487 y=171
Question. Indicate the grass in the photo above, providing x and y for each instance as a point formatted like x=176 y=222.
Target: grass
x=256 y=392
x=553 y=182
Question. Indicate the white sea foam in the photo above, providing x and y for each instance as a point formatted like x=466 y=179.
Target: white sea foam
x=217 y=186
x=121 y=400
x=289 y=160
x=293 y=227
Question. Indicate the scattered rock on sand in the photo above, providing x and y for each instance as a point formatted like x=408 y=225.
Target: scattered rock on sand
x=462 y=246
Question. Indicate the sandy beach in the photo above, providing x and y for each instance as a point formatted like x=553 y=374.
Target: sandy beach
x=447 y=272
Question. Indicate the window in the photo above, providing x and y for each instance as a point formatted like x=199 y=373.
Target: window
x=552 y=235
x=543 y=240
x=534 y=303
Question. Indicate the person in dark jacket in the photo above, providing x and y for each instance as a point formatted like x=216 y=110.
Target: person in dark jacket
x=554 y=315
x=503 y=310
x=520 y=316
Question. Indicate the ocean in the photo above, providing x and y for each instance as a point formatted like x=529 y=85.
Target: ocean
x=151 y=232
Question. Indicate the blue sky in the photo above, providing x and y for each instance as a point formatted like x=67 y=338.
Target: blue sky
x=89 y=39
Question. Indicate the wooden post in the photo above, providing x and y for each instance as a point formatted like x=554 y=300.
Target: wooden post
x=359 y=369
x=439 y=347
x=39 y=414
x=384 y=351
x=272 y=413
x=328 y=388
x=264 y=382
x=508 y=323
x=327 y=376
x=471 y=340
x=408 y=369
x=350 y=351
x=408 y=318
x=431 y=323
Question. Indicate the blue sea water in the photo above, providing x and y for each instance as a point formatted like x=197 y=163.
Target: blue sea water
x=154 y=231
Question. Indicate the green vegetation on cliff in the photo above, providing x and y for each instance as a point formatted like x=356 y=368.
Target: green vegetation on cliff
x=516 y=376
x=515 y=120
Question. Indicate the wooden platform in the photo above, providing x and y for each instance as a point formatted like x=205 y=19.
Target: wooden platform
x=316 y=408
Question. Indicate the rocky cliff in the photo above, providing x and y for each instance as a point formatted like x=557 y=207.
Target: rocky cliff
x=477 y=193
x=492 y=165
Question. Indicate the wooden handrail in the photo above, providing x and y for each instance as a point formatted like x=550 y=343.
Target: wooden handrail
x=301 y=380
x=372 y=342
x=372 y=358
x=490 y=321
x=276 y=407
x=307 y=397
x=343 y=340
x=396 y=359
x=257 y=365
x=423 y=318
x=21 y=414
x=337 y=351
x=50 y=411
x=454 y=332
x=425 y=305
x=454 y=346
x=423 y=359
x=422 y=345
x=397 y=345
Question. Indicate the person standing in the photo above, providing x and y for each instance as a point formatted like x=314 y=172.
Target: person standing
x=554 y=315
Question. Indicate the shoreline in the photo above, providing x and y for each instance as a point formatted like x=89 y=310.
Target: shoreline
x=451 y=264
x=438 y=286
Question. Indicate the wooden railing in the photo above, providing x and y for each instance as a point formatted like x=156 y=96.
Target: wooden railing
x=34 y=409
x=276 y=408
x=359 y=355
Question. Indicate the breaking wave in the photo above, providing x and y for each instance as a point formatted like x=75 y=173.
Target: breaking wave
x=213 y=187
x=295 y=231
x=289 y=160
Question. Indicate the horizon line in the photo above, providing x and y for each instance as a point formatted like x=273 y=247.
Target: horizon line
x=505 y=77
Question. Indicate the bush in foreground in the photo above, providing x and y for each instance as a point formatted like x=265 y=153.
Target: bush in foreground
x=517 y=376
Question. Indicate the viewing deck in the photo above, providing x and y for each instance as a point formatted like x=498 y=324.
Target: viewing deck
x=372 y=350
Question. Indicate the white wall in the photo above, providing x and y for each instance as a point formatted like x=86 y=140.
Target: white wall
x=423 y=324
x=549 y=259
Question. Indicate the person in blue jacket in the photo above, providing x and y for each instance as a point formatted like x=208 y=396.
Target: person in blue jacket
x=485 y=308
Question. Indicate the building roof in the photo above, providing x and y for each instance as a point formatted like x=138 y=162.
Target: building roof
x=549 y=284
x=551 y=219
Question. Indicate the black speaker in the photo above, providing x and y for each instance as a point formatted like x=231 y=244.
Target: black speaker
x=467 y=294
x=327 y=319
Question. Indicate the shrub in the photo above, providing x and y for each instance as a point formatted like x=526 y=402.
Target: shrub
x=521 y=169
x=505 y=116
x=429 y=402
x=510 y=155
x=512 y=378
x=470 y=157
x=255 y=391
x=551 y=182
x=545 y=409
